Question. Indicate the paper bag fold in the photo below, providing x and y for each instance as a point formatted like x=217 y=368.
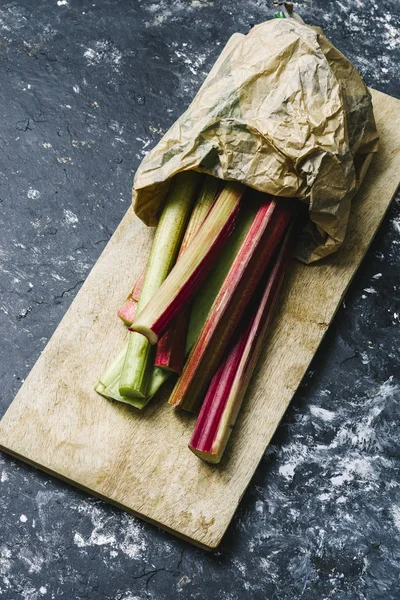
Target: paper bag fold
x=282 y=111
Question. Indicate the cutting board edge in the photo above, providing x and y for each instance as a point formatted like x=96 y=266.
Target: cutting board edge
x=92 y=492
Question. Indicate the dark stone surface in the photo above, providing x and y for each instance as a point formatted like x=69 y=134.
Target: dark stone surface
x=86 y=89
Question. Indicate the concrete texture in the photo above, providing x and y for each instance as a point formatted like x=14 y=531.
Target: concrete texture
x=86 y=89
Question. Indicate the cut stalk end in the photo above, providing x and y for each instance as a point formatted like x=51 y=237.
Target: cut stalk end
x=209 y=457
x=149 y=334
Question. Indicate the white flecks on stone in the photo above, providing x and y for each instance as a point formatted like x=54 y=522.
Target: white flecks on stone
x=5 y=562
x=3 y=477
x=201 y=3
x=79 y=143
x=392 y=36
x=33 y=194
x=79 y=541
x=322 y=413
x=182 y=581
x=62 y=2
x=287 y=470
x=364 y=358
x=69 y=217
x=23 y=518
x=65 y=160
x=295 y=455
x=76 y=89
x=115 y=126
x=341 y=479
x=105 y=53
x=95 y=539
x=164 y=11
x=396 y=224
x=324 y=497
x=194 y=63
x=395 y=510
x=47 y=145
x=370 y=290
x=145 y=143
x=377 y=276
x=57 y=277
x=131 y=542
x=33 y=558
x=360 y=467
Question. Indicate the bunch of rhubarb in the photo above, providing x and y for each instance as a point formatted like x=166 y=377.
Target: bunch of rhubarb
x=201 y=308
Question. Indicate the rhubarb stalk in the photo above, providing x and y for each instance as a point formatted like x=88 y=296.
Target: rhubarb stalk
x=170 y=352
x=167 y=240
x=262 y=239
x=188 y=274
x=108 y=385
x=127 y=311
x=229 y=384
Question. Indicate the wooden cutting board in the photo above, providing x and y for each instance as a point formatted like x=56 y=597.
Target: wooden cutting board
x=140 y=461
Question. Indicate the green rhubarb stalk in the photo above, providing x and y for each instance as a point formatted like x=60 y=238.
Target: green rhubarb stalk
x=203 y=204
x=190 y=272
x=170 y=353
x=115 y=368
x=108 y=386
x=111 y=390
x=167 y=240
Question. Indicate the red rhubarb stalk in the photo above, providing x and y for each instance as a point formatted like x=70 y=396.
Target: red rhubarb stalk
x=263 y=237
x=170 y=352
x=229 y=384
x=127 y=311
x=189 y=272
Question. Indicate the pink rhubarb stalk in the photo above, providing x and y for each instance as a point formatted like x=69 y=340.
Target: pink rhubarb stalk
x=189 y=272
x=229 y=384
x=127 y=311
x=170 y=354
x=263 y=237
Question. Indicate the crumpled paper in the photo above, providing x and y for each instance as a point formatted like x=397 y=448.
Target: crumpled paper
x=282 y=111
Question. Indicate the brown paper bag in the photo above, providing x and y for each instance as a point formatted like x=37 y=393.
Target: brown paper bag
x=282 y=111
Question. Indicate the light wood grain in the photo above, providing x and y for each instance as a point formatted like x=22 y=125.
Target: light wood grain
x=140 y=461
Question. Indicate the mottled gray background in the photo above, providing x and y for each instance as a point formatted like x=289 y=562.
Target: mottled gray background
x=86 y=89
